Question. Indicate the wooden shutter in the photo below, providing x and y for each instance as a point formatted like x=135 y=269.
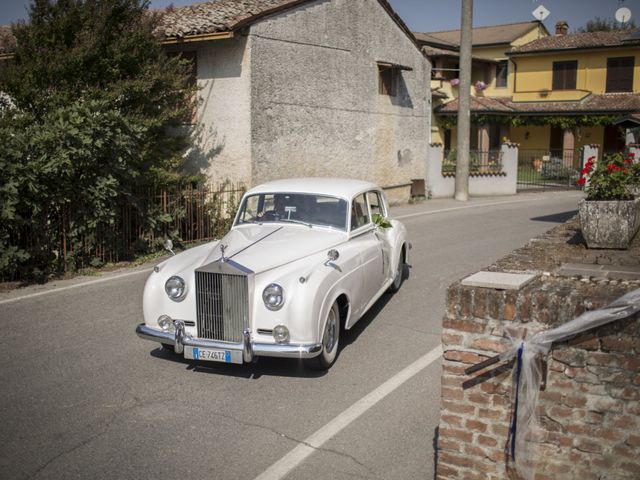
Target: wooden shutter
x=620 y=74
x=564 y=75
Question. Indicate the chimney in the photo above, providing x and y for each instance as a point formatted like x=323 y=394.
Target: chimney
x=562 y=27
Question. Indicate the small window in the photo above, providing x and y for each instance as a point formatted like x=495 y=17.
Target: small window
x=502 y=70
x=375 y=203
x=359 y=212
x=387 y=80
x=564 y=75
x=620 y=74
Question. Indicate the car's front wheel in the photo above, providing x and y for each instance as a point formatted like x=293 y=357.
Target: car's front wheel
x=330 y=341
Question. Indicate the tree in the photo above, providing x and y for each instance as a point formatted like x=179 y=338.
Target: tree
x=605 y=25
x=92 y=99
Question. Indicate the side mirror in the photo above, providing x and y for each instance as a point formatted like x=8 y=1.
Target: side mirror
x=168 y=245
x=332 y=256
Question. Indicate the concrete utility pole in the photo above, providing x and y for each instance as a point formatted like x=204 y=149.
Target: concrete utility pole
x=464 y=111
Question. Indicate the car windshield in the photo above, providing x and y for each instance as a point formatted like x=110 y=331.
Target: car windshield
x=308 y=209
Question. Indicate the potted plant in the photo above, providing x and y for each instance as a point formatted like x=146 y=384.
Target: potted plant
x=480 y=86
x=610 y=216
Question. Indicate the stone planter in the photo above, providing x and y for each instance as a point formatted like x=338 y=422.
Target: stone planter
x=609 y=224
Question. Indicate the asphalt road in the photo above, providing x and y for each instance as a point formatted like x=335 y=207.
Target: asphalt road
x=83 y=397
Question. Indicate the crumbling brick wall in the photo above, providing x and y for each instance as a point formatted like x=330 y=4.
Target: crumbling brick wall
x=590 y=408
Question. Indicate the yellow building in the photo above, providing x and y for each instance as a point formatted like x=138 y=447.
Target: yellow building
x=552 y=94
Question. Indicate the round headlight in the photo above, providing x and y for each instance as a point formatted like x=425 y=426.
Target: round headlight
x=281 y=333
x=175 y=288
x=273 y=296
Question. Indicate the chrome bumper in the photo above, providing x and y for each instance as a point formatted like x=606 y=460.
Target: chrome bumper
x=249 y=349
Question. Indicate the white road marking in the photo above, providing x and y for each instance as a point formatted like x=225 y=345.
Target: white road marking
x=76 y=285
x=296 y=456
x=450 y=209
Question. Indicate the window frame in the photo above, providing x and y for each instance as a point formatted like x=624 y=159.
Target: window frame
x=381 y=203
x=369 y=220
x=388 y=86
x=499 y=78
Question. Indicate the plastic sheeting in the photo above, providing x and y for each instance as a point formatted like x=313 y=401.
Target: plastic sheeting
x=528 y=354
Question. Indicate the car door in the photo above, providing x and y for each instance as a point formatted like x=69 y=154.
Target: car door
x=370 y=256
x=384 y=236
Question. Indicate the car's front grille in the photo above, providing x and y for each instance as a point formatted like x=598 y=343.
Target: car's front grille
x=221 y=306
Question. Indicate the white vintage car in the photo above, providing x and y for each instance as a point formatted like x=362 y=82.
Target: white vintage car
x=304 y=259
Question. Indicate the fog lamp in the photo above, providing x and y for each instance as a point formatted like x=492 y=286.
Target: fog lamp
x=166 y=323
x=281 y=334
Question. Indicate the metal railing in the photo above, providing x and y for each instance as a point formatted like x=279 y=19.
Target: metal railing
x=185 y=214
x=548 y=169
x=480 y=162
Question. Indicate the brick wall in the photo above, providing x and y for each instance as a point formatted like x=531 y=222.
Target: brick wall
x=590 y=408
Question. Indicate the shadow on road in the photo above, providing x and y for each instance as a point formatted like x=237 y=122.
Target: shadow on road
x=556 y=217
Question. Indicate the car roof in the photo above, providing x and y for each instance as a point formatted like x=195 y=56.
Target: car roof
x=335 y=187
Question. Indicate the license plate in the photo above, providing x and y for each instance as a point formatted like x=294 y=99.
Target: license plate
x=213 y=354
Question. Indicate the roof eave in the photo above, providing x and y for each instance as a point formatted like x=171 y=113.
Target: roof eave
x=200 y=37
x=569 y=49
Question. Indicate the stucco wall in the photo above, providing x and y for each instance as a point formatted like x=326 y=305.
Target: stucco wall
x=536 y=72
x=314 y=93
x=222 y=136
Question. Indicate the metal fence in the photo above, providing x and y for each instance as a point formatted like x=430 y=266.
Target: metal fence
x=480 y=161
x=184 y=214
x=548 y=169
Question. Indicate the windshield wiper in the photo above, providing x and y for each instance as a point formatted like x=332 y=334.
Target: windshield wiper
x=300 y=222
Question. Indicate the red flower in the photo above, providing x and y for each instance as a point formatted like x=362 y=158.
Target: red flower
x=628 y=161
x=612 y=168
x=632 y=155
x=581 y=181
x=586 y=169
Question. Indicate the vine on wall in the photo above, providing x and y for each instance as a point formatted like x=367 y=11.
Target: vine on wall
x=562 y=121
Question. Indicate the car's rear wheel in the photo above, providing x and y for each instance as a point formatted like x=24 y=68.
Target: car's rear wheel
x=330 y=341
x=399 y=276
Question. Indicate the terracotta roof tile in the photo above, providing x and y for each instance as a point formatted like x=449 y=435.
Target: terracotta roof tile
x=490 y=35
x=606 y=103
x=435 y=93
x=217 y=15
x=574 y=41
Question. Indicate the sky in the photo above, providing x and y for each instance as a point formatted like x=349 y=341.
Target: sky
x=437 y=15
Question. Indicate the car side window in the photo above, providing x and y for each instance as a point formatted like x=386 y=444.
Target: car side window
x=359 y=212
x=375 y=203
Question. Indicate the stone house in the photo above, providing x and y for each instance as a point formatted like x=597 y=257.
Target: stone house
x=305 y=88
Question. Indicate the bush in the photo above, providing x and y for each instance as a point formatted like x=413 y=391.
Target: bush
x=87 y=104
x=554 y=169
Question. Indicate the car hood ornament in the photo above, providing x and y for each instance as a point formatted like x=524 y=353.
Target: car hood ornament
x=222 y=249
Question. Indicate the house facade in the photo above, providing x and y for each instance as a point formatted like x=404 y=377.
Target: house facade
x=305 y=88
x=553 y=94
x=491 y=76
